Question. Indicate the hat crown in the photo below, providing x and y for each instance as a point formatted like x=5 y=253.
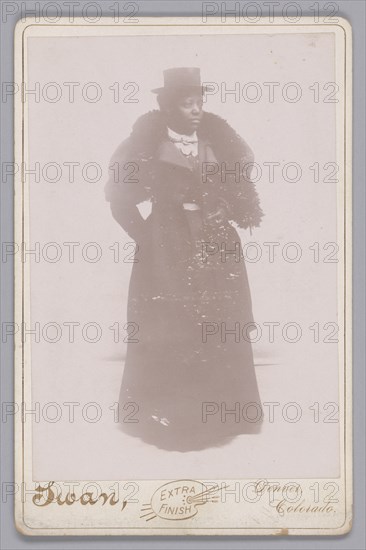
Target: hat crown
x=182 y=76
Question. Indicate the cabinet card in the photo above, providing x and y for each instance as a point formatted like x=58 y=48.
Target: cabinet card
x=183 y=276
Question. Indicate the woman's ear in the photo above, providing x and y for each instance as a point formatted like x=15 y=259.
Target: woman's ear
x=166 y=104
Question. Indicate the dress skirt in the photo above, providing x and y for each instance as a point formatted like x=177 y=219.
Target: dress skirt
x=189 y=375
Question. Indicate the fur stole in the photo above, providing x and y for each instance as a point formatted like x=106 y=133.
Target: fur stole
x=229 y=148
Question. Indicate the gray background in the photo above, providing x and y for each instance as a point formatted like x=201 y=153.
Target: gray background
x=354 y=11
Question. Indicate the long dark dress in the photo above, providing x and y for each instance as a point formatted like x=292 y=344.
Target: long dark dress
x=189 y=296
x=186 y=372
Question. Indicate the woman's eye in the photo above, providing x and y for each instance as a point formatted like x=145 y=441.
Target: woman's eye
x=189 y=104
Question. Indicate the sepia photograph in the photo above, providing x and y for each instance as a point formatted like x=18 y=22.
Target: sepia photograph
x=183 y=214
x=189 y=280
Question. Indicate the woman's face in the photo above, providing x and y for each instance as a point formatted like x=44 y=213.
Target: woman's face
x=185 y=113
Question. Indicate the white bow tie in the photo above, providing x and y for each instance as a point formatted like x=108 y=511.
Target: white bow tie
x=187 y=144
x=184 y=139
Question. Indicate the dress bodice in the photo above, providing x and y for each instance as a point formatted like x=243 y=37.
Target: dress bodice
x=194 y=191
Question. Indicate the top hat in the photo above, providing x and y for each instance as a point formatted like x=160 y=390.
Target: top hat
x=181 y=77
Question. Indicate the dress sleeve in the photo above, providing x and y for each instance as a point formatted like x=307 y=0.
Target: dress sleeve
x=125 y=189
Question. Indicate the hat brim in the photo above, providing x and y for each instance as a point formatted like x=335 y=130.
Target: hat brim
x=180 y=88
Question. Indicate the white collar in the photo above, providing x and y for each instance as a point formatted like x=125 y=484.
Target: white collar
x=175 y=135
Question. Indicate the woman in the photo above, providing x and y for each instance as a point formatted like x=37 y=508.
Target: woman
x=189 y=293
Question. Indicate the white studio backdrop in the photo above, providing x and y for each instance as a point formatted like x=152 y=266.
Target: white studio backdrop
x=280 y=131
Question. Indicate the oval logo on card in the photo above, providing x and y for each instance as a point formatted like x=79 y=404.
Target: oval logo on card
x=179 y=500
